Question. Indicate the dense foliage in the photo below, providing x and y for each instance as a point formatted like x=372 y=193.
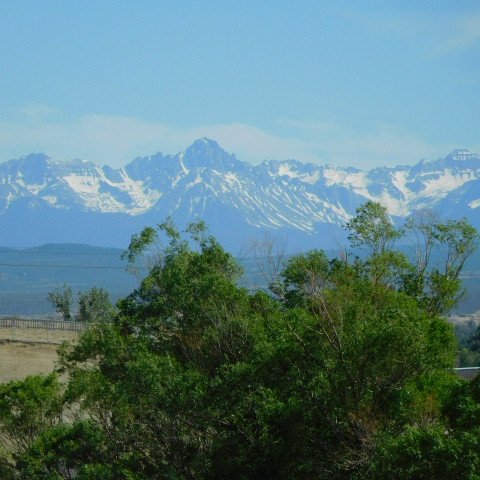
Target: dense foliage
x=344 y=370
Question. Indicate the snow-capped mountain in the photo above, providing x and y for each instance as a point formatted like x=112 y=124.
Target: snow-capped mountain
x=43 y=200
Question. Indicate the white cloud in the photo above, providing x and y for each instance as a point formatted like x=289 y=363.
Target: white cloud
x=114 y=140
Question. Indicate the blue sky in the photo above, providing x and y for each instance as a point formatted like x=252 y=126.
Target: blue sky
x=361 y=83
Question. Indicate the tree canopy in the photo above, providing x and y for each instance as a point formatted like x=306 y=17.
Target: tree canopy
x=344 y=370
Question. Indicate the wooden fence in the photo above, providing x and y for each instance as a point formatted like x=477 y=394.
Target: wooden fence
x=37 y=323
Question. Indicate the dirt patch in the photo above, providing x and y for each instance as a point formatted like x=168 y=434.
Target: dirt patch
x=25 y=351
x=20 y=359
x=36 y=335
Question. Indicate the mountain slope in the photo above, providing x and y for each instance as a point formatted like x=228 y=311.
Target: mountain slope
x=43 y=200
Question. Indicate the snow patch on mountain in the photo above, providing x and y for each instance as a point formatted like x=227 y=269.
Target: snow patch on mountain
x=206 y=181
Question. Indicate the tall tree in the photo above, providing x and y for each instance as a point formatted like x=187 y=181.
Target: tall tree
x=94 y=306
x=62 y=299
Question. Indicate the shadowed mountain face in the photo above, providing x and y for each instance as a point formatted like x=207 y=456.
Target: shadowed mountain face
x=42 y=200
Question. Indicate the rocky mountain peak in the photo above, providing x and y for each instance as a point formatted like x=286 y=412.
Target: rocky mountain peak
x=208 y=182
x=208 y=153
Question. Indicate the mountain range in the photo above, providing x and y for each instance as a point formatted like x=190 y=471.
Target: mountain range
x=43 y=200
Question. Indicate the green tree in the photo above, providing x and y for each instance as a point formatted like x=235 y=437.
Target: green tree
x=305 y=276
x=371 y=229
x=248 y=386
x=341 y=372
x=189 y=295
x=94 y=306
x=27 y=409
x=438 y=285
x=61 y=299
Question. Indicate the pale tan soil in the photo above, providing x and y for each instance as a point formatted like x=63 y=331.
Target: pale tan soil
x=38 y=335
x=29 y=353
x=17 y=359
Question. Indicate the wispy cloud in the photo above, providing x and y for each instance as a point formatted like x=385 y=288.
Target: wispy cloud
x=115 y=140
x=438 y=32
x=384 y=145
x=383 y=21
x=464 y=32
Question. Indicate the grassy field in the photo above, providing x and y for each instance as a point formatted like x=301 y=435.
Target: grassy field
x=26 y=351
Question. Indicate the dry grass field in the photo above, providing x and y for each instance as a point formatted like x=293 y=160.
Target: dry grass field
x=37 y=335
x=19 y=359
x=26 y=351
